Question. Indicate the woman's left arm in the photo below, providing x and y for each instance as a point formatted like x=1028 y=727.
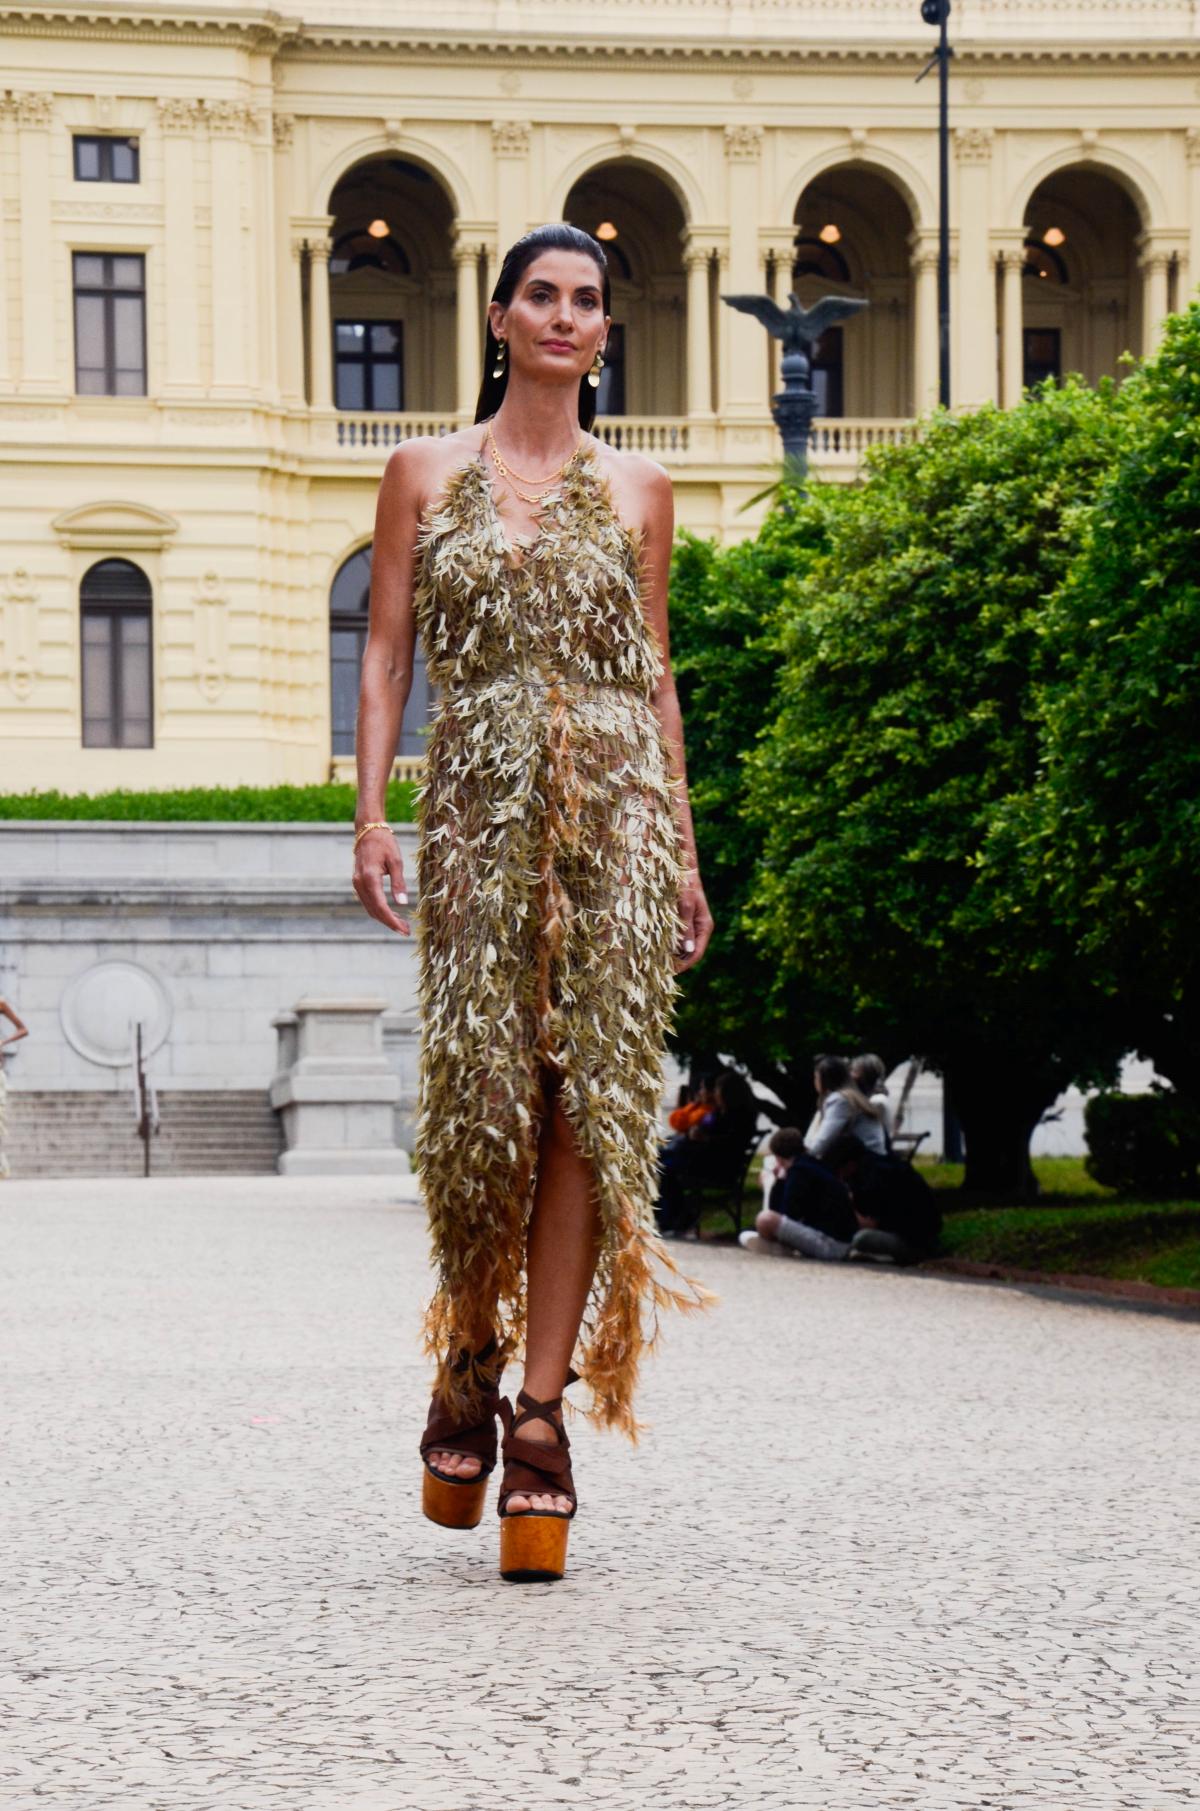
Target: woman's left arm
x=658 y=537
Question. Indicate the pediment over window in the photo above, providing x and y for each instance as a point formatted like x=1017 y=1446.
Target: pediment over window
x=115 y=527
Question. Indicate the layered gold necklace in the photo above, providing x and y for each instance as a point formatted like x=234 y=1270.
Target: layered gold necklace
x=511 y=478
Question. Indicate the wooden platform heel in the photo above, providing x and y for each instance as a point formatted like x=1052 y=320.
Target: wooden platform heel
x=458 y=1502
x=533 y=1542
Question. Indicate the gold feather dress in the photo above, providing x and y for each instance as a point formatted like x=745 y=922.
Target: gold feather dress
x=549 y=866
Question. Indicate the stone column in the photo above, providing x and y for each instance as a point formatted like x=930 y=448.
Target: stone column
x=743 y=386
x=1189 y=275
x=321 y=322
x=510 y=156
x=1012 y=322
x=232 y=270
x=468 y=327
x=696 y=261
x=1154 y=263
x=6 y=160
x=288 y=256
x=974 y=381
x=924 y=265
x=180 y=123
x=776 y=250
x=39 y=257
x=336 y=1091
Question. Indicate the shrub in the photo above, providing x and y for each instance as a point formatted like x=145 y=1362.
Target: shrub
x=330 y=804
x=1143 y=1144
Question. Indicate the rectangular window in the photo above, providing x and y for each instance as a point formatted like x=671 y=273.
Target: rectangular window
x=1043 y=355
x=110 y=323
x=116 y=678
x=100 y=159
x=369 y=364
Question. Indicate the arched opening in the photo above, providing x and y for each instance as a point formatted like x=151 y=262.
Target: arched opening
x=116 y=656
x=638 y=218
x=1081 y=302
x=349 y=598
x=852 y=238
x=392 y=289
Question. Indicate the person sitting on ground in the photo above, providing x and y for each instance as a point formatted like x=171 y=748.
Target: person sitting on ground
x=809 y=1211
x=712 y=1150
x=869 y=1076
x=843 y=1108
x=897 y=1212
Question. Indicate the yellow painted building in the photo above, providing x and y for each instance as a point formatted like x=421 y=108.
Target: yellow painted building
x=244 y=251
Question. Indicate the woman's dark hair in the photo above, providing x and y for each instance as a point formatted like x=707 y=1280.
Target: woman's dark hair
x=832 y=1073
x=555 y=237
x=738 y=1099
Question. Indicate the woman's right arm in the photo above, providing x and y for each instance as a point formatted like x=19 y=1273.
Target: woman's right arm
x=21 y=1031
x=386 y=680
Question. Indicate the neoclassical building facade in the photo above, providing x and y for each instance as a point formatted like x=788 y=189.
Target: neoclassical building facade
x=246 y=250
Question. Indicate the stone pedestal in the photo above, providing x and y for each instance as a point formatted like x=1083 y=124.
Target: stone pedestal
x=336 y=1091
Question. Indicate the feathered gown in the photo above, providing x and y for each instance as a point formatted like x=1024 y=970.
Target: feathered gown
x=549 y=868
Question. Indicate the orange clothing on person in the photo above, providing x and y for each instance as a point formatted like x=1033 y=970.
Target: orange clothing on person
x=682 y=1119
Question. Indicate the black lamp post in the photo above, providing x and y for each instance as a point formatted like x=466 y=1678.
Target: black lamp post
x=794 y=406
x=937 y=12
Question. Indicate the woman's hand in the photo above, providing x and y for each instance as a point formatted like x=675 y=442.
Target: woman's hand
x=378 y=854
x=695 y=923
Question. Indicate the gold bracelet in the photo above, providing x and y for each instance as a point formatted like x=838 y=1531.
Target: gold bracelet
x=376 y=826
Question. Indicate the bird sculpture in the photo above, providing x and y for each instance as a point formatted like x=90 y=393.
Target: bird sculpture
x=798 y=328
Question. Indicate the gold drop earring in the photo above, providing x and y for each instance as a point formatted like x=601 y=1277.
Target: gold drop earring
x=593 y=375
x=498 y=368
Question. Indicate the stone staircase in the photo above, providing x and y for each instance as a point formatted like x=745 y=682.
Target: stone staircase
x=202 y=1132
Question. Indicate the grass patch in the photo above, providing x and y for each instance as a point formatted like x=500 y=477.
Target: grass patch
x=1076 y=1227
x=329 y=804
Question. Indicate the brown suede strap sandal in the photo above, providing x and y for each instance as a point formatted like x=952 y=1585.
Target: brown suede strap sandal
x=455 y=1502
x=533 y=1542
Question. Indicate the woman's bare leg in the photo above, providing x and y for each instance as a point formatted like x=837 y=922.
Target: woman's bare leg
x=564 y=1244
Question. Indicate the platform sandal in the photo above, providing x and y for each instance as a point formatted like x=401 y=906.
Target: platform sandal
x=455 y=1502
x=533 y=1542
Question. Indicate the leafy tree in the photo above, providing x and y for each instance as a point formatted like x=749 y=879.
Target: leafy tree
x=1114 y=832
x=907 y=717
x=725 y=615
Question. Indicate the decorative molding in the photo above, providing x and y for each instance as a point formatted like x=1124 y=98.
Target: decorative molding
x=1088 y=140
x=115 y=526
x=743 y=87
x=510 y=137
x=211 y=611
x=858 y=141
x=510 y=81
x=179 y=118
x=973 y=144
x=1191 y=144
x=130 y=213
x=283 y=130
x=393 y=131
x=743 y=143
x=232 y=119
x=34 y=110
x=20 y=632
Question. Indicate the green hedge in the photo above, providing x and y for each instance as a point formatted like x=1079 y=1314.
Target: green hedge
x=1144 y=1144
x=332 y=804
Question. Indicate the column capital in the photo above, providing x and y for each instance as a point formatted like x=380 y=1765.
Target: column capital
x=230 y=119
x=283 y=130
x=179 y=118
x=777 y=241
x=1191 y=144
x=34 y=110
x=973 y=144
x=1155 y=250
x=743 y=143
x=510 y=137
x=466 y=251
x=700 y=243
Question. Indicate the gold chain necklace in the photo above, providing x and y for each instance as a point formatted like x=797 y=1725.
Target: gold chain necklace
x=511 y=477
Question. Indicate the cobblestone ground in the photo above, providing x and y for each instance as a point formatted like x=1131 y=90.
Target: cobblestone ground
x=892 y=1541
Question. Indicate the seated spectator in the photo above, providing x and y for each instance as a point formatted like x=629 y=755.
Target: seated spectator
x=809 y=1210
x=690 y=1112
x=896 y=1210
x=711 y=1150
x=842 y=1109
x=870 y=1078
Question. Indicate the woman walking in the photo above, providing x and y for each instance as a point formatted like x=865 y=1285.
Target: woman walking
x=560 y=894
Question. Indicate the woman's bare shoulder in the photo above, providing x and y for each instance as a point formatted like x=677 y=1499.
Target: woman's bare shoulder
x=423 y=464
x=640 y=486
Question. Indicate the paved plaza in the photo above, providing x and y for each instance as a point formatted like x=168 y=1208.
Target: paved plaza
x=892 y=1541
